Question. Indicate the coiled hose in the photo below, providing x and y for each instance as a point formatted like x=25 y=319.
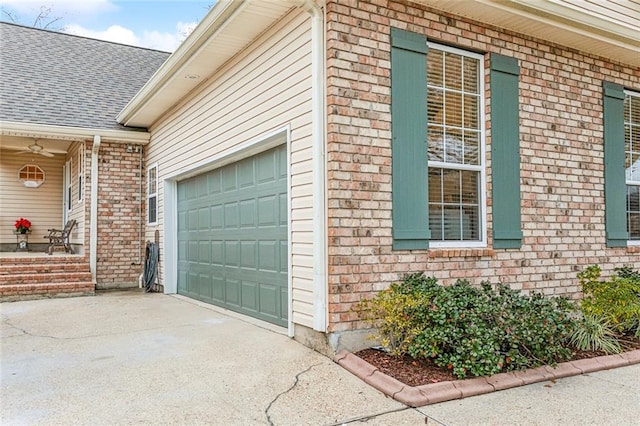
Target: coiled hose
x=150 y=266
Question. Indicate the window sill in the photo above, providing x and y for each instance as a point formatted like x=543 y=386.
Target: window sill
x=479 y=252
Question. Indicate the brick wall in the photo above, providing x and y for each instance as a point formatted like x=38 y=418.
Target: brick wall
x=119 y=239
x=561 y=159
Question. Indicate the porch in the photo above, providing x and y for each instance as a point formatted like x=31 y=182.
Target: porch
x=35 y=275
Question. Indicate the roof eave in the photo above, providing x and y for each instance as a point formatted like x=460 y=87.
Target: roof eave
x=47 y=131
x=215 y=19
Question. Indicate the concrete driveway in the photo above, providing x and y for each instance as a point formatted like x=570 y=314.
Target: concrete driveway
x=135 y=358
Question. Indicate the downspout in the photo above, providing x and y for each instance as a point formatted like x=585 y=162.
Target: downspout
x=93 y=232
x=140 y=201
x=318 y=114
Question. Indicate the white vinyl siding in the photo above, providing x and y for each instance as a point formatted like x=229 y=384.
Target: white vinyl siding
x=42 y=205
x=265 y=88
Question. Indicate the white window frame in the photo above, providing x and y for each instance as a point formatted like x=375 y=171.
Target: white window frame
x=482 y=167
x=153 y=194
x=630 y=182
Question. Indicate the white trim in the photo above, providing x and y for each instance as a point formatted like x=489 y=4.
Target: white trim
x=170 y=246
x=47 y=131
x=482 y=168
x=93 y=229
x=290 y=326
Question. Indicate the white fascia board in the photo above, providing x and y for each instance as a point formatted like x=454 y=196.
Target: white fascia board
x=47 y=131
x=216 y=17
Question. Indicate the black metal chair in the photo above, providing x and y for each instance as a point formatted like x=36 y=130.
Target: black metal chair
x=60 y=237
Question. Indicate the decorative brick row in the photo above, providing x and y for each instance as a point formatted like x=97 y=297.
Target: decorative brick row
x=416 y=396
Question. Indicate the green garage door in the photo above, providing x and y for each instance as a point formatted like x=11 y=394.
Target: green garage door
x=232 y=236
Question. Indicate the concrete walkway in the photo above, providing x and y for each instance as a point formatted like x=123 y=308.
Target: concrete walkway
x=134 y=358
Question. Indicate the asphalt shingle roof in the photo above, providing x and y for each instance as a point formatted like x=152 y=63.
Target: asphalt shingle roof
x=59 y=79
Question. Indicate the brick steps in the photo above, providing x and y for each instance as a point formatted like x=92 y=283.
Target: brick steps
x=40 y=277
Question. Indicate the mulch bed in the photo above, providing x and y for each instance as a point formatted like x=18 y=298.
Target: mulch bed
x=414 y=372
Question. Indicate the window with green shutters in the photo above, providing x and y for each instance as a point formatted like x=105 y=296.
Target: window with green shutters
x=438 y=165
x=632 y=162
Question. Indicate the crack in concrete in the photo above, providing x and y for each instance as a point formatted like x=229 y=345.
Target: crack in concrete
x=369 y=416
x=266 y=411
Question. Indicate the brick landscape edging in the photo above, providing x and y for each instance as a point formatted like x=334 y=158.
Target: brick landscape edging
x=416 y=396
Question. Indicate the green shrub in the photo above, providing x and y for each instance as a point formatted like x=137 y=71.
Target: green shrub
x=470 y=330
x=615 y=301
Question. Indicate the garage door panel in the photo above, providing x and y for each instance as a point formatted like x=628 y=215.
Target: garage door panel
x=248 y=213
x=218 y=286
x=248 y=254
x=229 y=178
x=231 y=253
x=232 y=292
x=240 y=224
x=250 y=295
x=270 y=300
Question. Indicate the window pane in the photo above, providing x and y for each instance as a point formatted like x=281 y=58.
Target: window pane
x=451 y=186
x=451 y=225
x=471 y=111
x=435 y=221
x=469 y=187
x=435 y=106
x=453 y=147
x=471 y=147
x=453 y=71
x=453 y=109
x=632 y=109
x=435 y=185
x=470 y=82
x=152 y=210
x=633 y=211
x=434 y=67
x=436 y=144
x=470 y=228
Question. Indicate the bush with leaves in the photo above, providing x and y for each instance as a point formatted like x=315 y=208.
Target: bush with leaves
x=471 y=330
x=614 y=302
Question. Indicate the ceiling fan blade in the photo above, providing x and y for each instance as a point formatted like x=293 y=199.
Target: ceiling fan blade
x=25 y=152
x=45 y=153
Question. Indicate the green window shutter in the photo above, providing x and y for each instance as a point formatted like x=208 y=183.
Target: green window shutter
x=409 y=140
x=505 y=152
x=614 y=179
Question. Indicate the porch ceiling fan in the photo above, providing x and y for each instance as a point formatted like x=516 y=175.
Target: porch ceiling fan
x=36 y=149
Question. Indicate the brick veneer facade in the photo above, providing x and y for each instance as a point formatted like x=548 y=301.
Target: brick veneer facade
x=561 y=147
x=120 y=243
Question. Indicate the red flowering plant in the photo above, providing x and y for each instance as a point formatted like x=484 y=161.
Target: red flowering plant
x=22 y=225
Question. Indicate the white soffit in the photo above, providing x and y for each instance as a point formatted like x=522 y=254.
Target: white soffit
x=228 y=28
x=607 y=28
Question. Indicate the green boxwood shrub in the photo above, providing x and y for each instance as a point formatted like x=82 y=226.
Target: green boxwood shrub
x=471 y=330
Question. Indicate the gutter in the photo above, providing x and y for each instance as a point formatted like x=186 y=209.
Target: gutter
x=93 y=230
x=47 y=131
x=318 y=126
